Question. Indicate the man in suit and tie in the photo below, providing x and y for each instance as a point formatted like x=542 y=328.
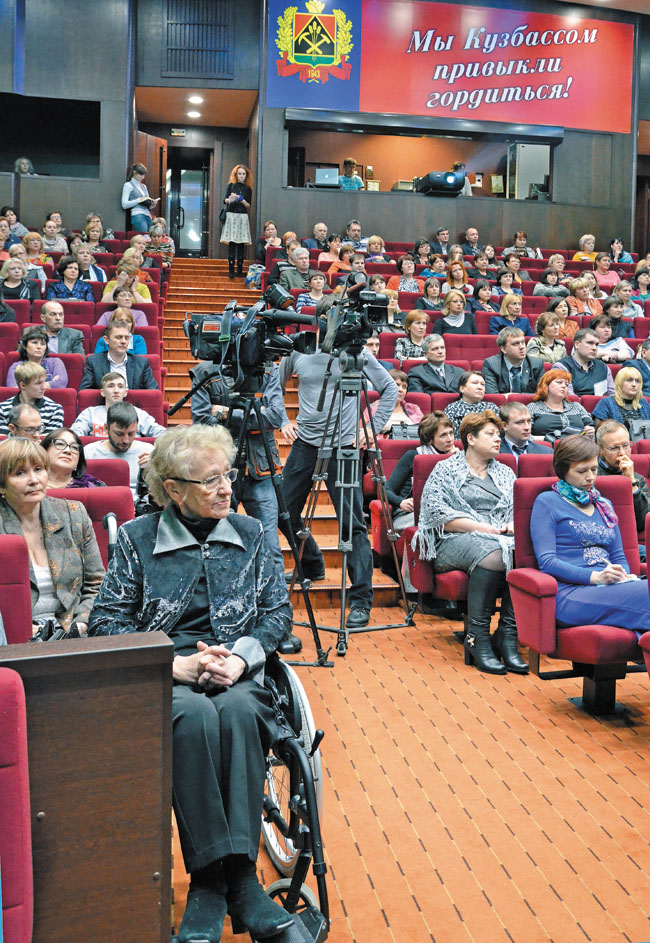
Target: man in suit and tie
x=135 y=370
x=512 y=370
x=60 y=339
x=440 y=245
x=517 y=426
x=434 y=376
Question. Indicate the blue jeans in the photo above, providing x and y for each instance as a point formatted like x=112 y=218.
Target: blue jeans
x=140 y=222
x=296 y=483
x=259 y=500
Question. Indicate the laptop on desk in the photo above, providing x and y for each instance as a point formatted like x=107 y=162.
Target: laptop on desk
x=326 y=177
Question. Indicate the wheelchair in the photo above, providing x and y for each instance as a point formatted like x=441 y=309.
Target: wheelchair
x=293 y=805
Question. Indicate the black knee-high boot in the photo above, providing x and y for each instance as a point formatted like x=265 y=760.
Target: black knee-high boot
x=504 y=640
x=232 y=249
x=240 y=259
x=481 y=598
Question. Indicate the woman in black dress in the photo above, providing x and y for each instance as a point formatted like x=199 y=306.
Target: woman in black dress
x=236 y=231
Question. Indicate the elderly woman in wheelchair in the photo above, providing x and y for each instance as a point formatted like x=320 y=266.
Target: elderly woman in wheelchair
x=201 y=575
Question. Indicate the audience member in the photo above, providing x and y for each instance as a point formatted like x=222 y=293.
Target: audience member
x=577 y=541
x=24 y=420
x=317 y=282
x=334 y=243
x=394 y=318
x=616 y=251
x=595 y=291
x=623 y=292
x=510 y=316
x=283 y=258
x=434 y=376
x=557 y=263
x=605 y=276
x=9 y=238
x=481 y=299
x=376 y=251
x=67 y=461
x=491 y=253
x=123 y=298
x=161 y=244
x=34 y=245
x=642 y=364
x=24 y=167
x=31 y=380
x=353 y=235
x=350 y=179
x=403 y=414
x=613 y=441
x=421 y=251
x=60 y=339
x=88 y=271
x=55 y=217
x=440 y=245
x=70 y=285
x=579 y=300
x=344 y=262
x=135 y=370
x=431 y=299
x=610 y=349
x=373 y=344
x=406 y=280
x=641 y=285
x=437 y=267
x=547 y=346
x=517 y=429
x=553 y=413
x=124 y=317
x=512 y=263
x=126 y=276
x=51 y=239
x=455 y=318
x=586 y=249
x=121 y=442
x=471 y=389
x=466 y=523
x=32 y=271
x=15 y=226
x=471 y=245
x=94 y=233
x=14 y=284
x=480 y=268
x=415 y=326
x=65 y=564
x=135 y=197
x=456 y=279
x=33 y=348
x=92 y=420
x=455 y=254
x=549 y=285
x=613 y=309
x=512 y=370
x=297 y=275
x=505 y=284
x=436 y=434
x=318 y=239
x=589 y=376
x=520 y=247
x=628 y=402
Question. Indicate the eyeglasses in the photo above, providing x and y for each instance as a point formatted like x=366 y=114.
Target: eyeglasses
x=61 y=445
x=623 y=447
x=30 y=431
x=213 y=482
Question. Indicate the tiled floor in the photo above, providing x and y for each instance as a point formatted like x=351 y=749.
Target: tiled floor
x=467 y=807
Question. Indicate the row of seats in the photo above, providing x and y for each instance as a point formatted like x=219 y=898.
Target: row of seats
x=98 y=289
x=74 y=400
x=83 y=312
x=105 y=260
x=9 y=341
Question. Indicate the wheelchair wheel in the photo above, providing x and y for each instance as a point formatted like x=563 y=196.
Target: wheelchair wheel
x=278 y=891
x=282 y=781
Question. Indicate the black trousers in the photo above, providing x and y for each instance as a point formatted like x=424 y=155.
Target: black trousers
x=220 y=741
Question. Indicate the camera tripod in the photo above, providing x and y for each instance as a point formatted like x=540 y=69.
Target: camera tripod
x=351 y=382
x=249 y=404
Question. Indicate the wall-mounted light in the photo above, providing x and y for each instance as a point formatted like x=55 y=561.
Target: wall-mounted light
x=194 y=114
x=195 y=100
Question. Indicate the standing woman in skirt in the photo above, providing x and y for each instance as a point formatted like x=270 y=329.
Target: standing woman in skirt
x=236 y=231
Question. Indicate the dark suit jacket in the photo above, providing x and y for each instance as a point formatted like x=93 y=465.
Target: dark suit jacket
x=534 y=448
x=138 y=372
x=424 y=379
x=643 y=369
x=497 y=379
x=471 y=250
x=436 y=248
x=71 y=341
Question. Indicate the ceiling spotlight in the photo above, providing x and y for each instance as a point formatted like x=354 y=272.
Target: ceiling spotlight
x=195 y=100
x=194 y=114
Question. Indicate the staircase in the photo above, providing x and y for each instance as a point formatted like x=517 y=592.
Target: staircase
x=202 y=286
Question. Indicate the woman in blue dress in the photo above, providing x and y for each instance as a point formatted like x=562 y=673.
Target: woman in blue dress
x=577 y=540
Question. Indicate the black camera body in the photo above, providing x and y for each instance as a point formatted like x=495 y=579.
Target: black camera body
x=354 y=318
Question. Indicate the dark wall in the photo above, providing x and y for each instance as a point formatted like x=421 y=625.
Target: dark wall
x=644 y=68
x=150 y=48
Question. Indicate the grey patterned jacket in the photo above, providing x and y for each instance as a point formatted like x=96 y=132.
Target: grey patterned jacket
x=156 y=567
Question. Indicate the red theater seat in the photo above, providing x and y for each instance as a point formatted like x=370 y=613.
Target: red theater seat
x=15 y=595
x=76 y=312
x=22 y=310
x=73 y=363
x=112 y=471
x=9 y=334
x=98 y=502
x=65 y=396
x=149 y=400
x=15 y=813
x=599 y=653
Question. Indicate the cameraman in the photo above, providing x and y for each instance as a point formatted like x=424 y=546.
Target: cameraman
x=253 y=486
x=306 y=436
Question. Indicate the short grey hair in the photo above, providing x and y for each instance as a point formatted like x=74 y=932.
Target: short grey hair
x=507 y=332
x=17 y=411
x=609 y=425
x=175 y=452
x=299 y=251
x=430 y=339
x=156 y=230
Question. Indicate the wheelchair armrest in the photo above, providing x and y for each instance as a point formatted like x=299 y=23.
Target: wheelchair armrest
x=290 y=646
x=533 y=599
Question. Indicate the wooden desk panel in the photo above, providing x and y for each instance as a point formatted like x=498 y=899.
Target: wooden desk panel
x=99 y=741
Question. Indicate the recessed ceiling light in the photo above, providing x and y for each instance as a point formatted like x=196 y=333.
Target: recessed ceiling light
x=194 y=114
x=195 y=100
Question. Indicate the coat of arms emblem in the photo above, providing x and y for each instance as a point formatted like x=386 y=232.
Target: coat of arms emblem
x=314 y=44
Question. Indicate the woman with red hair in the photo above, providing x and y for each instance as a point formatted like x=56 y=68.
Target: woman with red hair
x=236 y=231
x=553 y=413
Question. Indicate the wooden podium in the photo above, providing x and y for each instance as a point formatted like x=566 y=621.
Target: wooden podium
x=99 y=742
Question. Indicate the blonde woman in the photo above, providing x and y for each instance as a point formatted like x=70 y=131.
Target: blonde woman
x=628 y=401
x=586 y=249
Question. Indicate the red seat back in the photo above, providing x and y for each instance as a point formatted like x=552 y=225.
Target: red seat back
x=73 y=363
x=147 y=307
x=9 y=335
x=471 y=346
x=112 y=471
x=15 y=595
x=22 y=310
x=536 y=466
x=151 y=336
x=149 y=400
x=98 y=502
x=76 y=312
x=15 y=813
x=65 y=396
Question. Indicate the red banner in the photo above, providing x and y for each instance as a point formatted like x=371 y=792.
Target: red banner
x=496 y=65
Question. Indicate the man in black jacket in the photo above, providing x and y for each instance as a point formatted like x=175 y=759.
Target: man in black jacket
x=512 y=370
x=434 y=376
x=517 y=426
x=471 y=245
x=613 y=439
x=135 y=370
x=60 y=339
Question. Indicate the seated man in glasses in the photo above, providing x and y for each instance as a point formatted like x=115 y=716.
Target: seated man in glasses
x=615 y=458
x=25 y=421
x=122 y=429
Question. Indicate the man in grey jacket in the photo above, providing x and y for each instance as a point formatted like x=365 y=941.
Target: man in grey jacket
x=306 y=435
x=60 y=339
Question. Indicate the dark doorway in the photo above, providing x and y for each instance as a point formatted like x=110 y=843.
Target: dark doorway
x=188 y=196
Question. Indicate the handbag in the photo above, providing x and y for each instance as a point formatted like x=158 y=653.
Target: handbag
x=638 y=429
x=403 y=430
x=223 y=214
x=51 y=630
